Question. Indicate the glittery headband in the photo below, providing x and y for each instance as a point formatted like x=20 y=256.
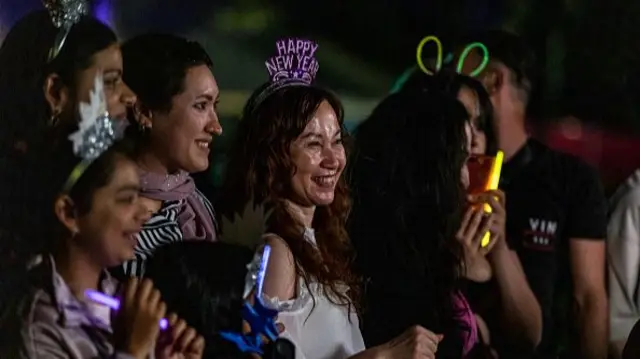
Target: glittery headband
x=96 y=132
x=294 y=65
x=440 y=60
x=64 y=14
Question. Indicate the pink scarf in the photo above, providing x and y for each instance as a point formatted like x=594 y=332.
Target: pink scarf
x=193 y=217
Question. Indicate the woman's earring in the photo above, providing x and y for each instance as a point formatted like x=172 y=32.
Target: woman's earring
x=54 y=119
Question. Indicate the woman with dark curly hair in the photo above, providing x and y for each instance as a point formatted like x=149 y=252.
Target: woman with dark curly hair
x=290 y=153
x=409 y=176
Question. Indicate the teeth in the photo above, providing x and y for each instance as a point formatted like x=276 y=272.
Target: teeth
x=203 y=144
x=324 y=180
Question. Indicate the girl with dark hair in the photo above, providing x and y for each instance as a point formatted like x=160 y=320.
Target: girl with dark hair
x=494 y=262
x=176 y=121
x=289 y=154
x=472 y=95
x=408 y=204
x=91 y=192
x=39 y=94
x=188 y=275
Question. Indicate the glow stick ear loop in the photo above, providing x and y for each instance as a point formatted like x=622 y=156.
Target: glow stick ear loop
x=438 y=56
x=465 y=54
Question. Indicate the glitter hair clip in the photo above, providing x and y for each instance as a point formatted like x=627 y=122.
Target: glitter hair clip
x=441 y=60
x=64 y=14
x=96 y=132
x=261 y=319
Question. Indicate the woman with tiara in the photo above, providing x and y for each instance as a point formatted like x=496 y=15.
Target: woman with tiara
x=175 y=123
x=53 y=310
x=289 y=154
x=48 y=63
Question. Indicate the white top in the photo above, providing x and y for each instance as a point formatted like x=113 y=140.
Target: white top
x=623 y=250
x=319 y=328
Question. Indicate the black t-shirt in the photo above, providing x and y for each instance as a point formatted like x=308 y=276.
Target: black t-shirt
x=551 y=198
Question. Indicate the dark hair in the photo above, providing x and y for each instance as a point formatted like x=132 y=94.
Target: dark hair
x=41 y=231
x=260 y=170
x=512 y=51
x=408 y=201
x=24 y=114
x=156 y=67
x=58 y=165
x=450 y=83
x=203 y=283
x=24 y=63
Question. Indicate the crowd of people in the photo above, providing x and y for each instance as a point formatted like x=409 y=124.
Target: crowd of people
x=374 y=241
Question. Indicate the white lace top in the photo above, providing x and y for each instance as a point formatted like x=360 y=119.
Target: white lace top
x=319 y=328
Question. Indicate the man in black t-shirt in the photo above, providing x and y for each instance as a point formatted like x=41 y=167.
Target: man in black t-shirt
x=556 y=213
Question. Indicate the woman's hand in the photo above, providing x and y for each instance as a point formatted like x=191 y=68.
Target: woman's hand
x=475 y=223
x=415 y=343
x=137 y=323
x=179 y=341
x=497 y=200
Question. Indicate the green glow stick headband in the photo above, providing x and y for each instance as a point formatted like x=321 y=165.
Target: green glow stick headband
x=463 y=56
x=440 y=60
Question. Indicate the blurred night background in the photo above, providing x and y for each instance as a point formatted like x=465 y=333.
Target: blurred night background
x=588 y=88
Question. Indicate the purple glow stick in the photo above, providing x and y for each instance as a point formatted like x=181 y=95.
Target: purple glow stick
x=114 y=303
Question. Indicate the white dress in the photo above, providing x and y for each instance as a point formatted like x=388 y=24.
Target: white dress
x=319 y=328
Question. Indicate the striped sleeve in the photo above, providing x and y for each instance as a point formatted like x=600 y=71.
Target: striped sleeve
x=161 y=229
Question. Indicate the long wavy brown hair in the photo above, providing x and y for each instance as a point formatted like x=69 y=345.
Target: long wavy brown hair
x=260 y=169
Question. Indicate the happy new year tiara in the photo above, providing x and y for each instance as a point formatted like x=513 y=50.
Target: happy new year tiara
x=441 y=60
x=96 y=132
x=294 y=65
x=64 y=14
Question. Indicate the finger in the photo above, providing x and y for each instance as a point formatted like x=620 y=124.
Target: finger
x=144 y=290
x=130 y=291
x=154 y=298
x=196 y=346
x=178 y=329
x=483 y=229
x=492 y=242
x=476 y=221
x=496 y=205
x=499 y=195
x=172 y=319
x=427 y=345
x=185 y=340
x=161 y=311
x=421 y=334
x=280 y=328
x=465 y=221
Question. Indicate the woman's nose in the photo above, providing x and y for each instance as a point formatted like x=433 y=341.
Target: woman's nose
x=128 y=97
x=214 y=125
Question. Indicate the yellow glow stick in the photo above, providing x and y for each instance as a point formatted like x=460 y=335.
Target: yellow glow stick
x=492 y=184
x=421 y=64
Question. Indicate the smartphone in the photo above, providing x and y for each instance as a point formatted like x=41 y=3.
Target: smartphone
x=484 y=175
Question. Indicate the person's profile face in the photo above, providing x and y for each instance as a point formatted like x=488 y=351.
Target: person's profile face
x=108 y=231
x=183 y=135
x=108 y=63
x=478 y=139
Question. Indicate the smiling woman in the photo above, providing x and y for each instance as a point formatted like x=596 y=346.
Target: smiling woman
x=37 y=93
x=175 y=123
